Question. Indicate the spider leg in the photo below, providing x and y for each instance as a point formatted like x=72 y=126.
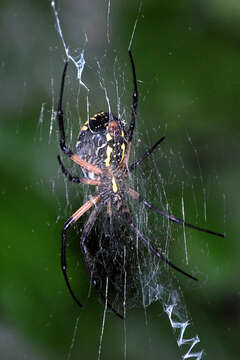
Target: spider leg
x=87 y=228
x=134 y=109
x=134 y=194
x=157 y=252
x=134 y=99
x=145 y=155
x=67 y=225
x=89 y=167
x=67 y=151
x=76 y=179
x=63 y=146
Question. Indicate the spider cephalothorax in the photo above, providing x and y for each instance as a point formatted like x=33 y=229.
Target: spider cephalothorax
x=103 y=151
x=101 y=142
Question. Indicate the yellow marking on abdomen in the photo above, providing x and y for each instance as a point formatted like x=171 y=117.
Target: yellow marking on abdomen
x=123 y=147
x=84 y=128
x=109 y=151
x=114 y=185
x=108 y=137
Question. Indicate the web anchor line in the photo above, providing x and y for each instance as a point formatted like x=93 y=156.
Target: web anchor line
x=180 y=340
x=80 y=62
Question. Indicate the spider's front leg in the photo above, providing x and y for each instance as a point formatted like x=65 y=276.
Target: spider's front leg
x=67 y=151
x=133 y=120
x=134 y=98
x=145 y=155
x=133 y=107
x=76 y=179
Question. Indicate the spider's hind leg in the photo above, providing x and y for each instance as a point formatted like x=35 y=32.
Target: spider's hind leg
x=177 y=220
x=135 y=195
x=72 y=220
x=158 y=253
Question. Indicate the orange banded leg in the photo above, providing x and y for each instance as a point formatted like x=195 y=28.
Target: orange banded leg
x=85 y=207
x=126 y=158
x=88 y=181
x=134 y=194
x=76 y=179
x=96 y=170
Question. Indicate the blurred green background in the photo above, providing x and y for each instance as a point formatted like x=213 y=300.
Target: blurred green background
x=187 y=56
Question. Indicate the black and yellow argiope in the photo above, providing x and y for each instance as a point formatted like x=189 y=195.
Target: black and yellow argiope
x=102 y=152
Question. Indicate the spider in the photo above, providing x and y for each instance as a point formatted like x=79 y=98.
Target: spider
x=102 y=151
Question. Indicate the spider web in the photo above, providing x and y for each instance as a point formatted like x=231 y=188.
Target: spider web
x=150 y=280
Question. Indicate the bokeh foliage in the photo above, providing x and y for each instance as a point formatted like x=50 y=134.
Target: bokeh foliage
x=188 y=60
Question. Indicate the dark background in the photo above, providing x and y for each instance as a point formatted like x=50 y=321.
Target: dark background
x=187 y=55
